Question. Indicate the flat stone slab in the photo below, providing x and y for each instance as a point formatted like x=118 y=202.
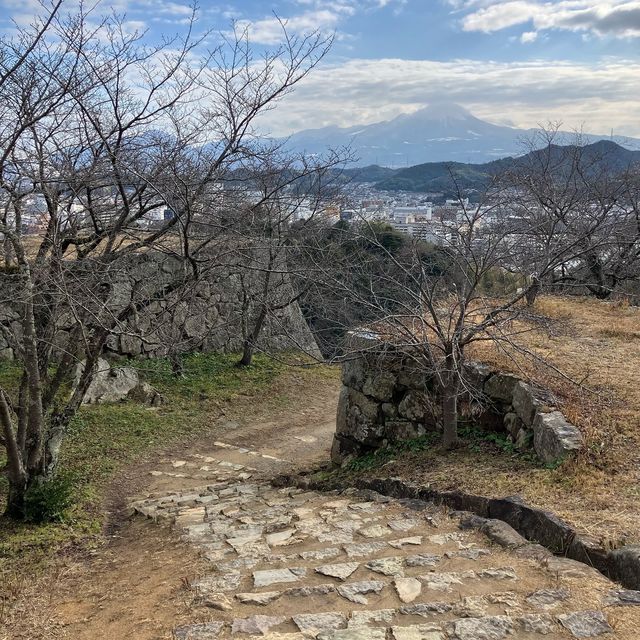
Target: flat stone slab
x=366 y=618
x=313 y=623
x=443 y=581
x=487 y=628
x=426 y=609
x=355 y=591
x=321 y=554
x=422 y=560
x=391 y=566
x=341 y=571
x=354 y=634
x=256 y=624
x=206 y=631
x=585 y=624
x=541 y=623
x=315 y=590
x=214 y=584
x=363 y=549
x=418 y=632
x=274 y=576
x=259 y=599
x=503 y=573
x=408 y=589
x=403 y=542
x=547 y=598
x=374 y=531
x=622 y=598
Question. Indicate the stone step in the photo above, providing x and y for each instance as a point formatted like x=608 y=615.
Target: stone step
x=336 y=625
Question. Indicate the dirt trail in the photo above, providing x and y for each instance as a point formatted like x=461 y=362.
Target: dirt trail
x=216 y=529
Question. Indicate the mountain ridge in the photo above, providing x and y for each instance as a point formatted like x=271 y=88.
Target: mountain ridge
x=437 y=176
x=442 y=131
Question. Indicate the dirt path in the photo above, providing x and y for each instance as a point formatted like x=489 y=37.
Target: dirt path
x=217 y=530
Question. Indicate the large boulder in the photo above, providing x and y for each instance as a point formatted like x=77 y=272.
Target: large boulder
x=525 y=402
x=413 y=406
x=379 y=385
x=554 y=438
x=500 y=387
x=108 y=384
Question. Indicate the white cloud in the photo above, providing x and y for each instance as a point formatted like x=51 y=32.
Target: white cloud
x=598 y=96
x=618 y=18
x=529 y=36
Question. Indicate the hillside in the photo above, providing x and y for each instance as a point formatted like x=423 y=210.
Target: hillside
x=438 y=176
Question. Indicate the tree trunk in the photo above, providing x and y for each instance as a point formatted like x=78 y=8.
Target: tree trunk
x=450 y=415
x=249 y=345
x=16 y=500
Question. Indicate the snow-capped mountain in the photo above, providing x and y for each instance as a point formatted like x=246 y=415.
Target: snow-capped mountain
x=439 y=132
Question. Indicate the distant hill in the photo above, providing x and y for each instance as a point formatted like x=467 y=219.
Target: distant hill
x=437 y=176
x=440 y=132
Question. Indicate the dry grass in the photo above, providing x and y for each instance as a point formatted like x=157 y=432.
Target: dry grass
x=596 y=344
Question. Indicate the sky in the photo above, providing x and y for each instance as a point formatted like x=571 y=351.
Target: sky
x=522 y=63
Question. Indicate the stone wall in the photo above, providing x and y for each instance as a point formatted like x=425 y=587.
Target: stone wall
x=387 y=397
x=203 y=316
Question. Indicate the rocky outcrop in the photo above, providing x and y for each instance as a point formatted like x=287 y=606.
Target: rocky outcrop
x=115 y=384
x=386 y=398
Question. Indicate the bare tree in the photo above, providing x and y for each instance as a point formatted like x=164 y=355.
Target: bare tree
x=101 y=133
x=431 y=301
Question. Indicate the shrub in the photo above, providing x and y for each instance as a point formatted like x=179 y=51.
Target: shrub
x=48 y=501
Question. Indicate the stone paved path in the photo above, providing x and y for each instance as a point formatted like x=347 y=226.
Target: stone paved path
x=288 y=564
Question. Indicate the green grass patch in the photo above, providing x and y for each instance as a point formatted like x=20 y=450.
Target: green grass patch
x=104 y=438
x=381 y=456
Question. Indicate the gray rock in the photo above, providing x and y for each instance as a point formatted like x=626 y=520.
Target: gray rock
x=503 y=534
x=215 y=584
x=315 y=590
x=554 y=438
x=471 y=607
x=256 y=624
x=206 y=631
x=313 y=623
x=568 y=567
x=391 y=566
x=536 y=623
x=418 y=632
x=426 y=609
x=622 y=598
x=504 y=573
x=626 y=565
x=380 y=385
x=500 y=387
x=525 y=403
x=321 y=554
x=259 y=599
x=585 y=624
x=353 y=373
x=403 y=542
x=273 y=576
x=413 y=406
x=422 y=560
x=374 y=531
x=355 y=591
x=365 y=618
x=547 y=598
x=341 y=571
x=108 y=384
x=408 y=589
x=512 y=424
x=354 y=634
x=487 y=628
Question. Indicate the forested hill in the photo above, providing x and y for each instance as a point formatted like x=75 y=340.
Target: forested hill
x=440 y=176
